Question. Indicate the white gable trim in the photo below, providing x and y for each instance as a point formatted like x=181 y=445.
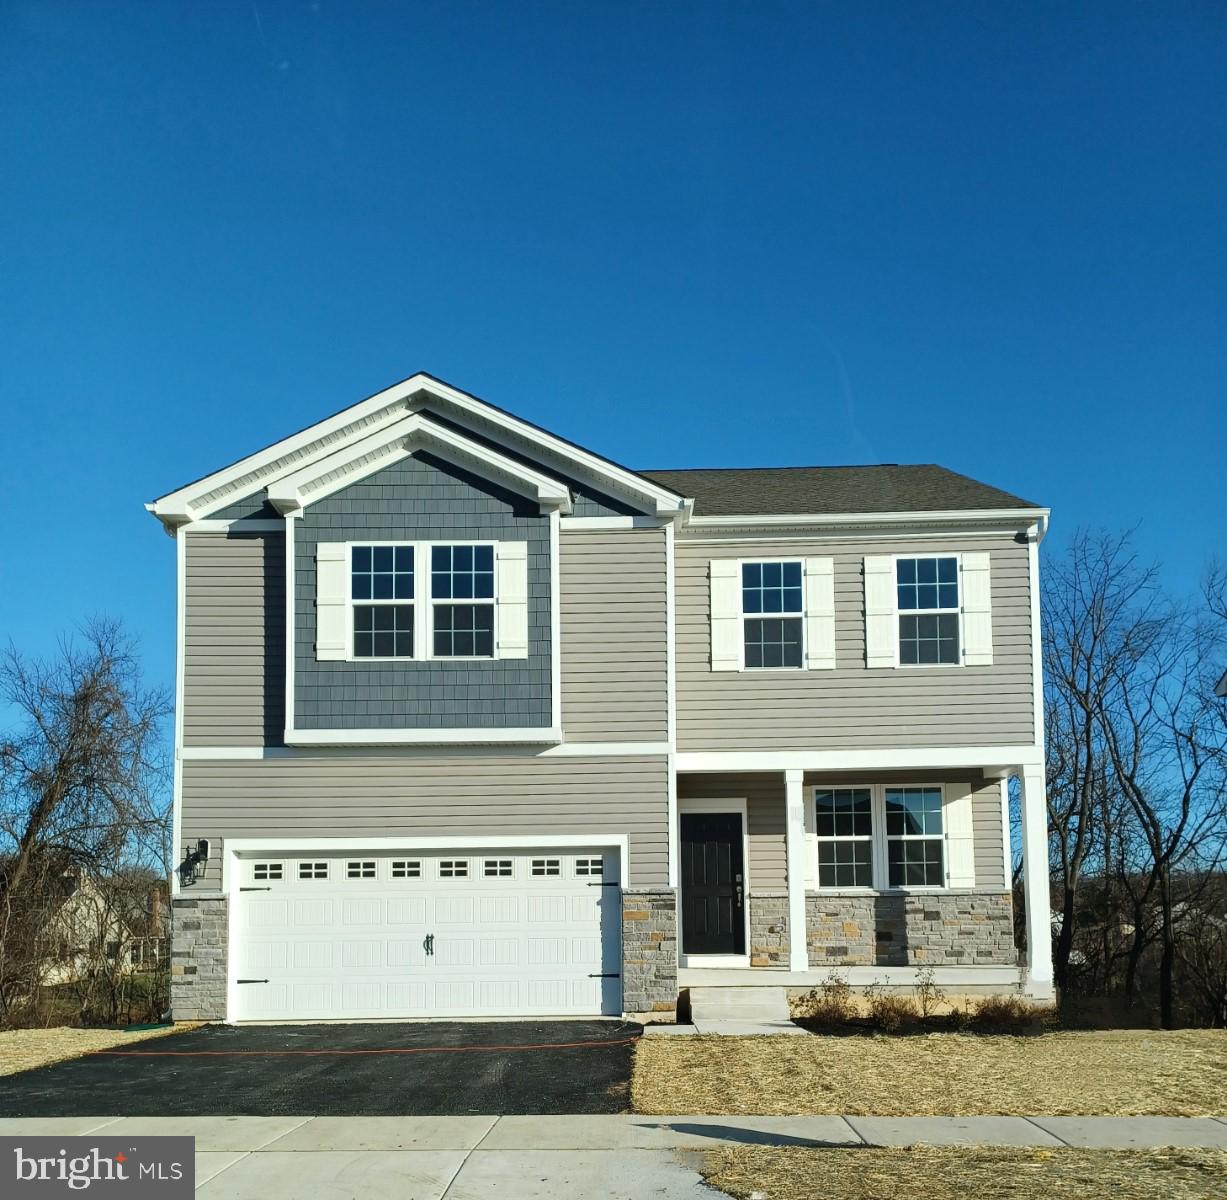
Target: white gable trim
x=257 y=471
x=398 y=441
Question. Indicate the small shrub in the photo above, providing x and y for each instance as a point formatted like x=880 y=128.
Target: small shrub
x=957 y=1018
x=888 y=1011
x=1009 y=1014
x=928 y=995
x=830 y=1002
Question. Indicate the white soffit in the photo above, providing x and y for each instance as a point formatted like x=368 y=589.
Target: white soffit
x=292 y=493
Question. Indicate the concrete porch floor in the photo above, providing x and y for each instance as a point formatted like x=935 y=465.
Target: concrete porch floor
x=949 y=978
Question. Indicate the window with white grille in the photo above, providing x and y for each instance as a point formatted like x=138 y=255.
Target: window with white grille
x=590 y=866
x=453 y=868
x=547 y=866
x=312 y=870
x=364 y=869
x=498 y=868
x=406 y=868
x=265 y=871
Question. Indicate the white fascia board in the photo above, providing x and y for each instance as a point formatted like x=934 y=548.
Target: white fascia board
x=1009 y=517
x=294 y=492
x=420 y=737
x=257 y=470
x=666 y=501
x=920 y=758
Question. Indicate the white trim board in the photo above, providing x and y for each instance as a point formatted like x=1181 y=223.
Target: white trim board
x=420 y=737
x=894 y=759
x=561 y=750
x=975 y=516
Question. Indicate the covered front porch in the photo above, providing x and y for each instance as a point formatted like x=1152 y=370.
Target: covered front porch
x=888 y=864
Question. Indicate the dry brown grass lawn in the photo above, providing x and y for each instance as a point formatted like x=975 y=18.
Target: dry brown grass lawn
x=25 y=1049
x=959 y=1172
x=1116 y=1073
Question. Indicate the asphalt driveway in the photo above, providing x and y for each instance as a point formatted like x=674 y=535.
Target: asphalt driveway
x=449 y=1068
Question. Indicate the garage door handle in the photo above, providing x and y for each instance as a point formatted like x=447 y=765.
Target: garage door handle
x=428 y=944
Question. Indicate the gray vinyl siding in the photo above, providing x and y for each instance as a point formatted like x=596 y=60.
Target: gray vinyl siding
x=422 y=497
x=614 y=602
x=234 y=639
x=853 y=707
x=764 y=795
x=440 y=796
x=250 y=508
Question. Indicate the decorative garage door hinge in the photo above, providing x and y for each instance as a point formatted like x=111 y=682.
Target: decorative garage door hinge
x=610 y=884
x=255 y=889
x=606 y=975
x=251 y=981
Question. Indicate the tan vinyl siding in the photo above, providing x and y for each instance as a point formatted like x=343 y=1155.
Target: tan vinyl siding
x=613 y=597
x=465 y=794
x=853 y=707
x=764 y=793
x=234 y=639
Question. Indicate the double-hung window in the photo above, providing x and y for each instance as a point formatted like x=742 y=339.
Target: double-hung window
x=462 y=601
x=772 y=606
x=888 y=836
x=914 y=837
x=928 y=591
x=843 y=822
x=401 y=610
x=382 y=587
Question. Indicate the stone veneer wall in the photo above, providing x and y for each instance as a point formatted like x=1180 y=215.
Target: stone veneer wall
x=649 y=950
x=198 y=958
x=769 y=929
x=937 y=929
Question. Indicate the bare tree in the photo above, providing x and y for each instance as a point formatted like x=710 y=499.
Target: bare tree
x=82 y=786
x=1092 y=598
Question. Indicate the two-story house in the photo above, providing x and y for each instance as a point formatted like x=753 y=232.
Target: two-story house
x=474 y=721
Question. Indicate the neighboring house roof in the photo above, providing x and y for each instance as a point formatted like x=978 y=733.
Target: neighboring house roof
x=1220 y=688
x=750 y=491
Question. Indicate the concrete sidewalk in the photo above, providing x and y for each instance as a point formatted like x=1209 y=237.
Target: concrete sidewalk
x=522 y=1158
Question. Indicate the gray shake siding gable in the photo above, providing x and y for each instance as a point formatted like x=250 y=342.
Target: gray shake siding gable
x=422 y=498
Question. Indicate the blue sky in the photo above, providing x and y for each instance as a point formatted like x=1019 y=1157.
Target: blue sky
x=690 y=234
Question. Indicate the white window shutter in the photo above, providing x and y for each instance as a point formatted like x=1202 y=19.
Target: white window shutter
x=725 y=574
x=331 y=609
x=977 y=597
x=820 y=614
x=960 y=840
x=512 y=600
x=881 y=615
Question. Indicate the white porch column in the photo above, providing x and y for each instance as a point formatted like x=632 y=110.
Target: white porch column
x=1036 y=894
x=794 y=829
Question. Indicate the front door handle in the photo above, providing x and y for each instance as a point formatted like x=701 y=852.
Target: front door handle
x=739 y=896
x=428 y=944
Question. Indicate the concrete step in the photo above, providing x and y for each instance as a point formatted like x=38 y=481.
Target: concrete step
x=758 y=1004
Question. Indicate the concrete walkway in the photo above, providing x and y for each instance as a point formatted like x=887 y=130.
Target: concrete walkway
x=580 y=1157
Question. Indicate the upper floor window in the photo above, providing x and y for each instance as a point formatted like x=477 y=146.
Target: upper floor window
x=382 y=578
x=772 y=609
x=462 y=573
x=928 y=594
x=390 y=602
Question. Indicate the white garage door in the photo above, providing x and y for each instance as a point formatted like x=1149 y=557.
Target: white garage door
x=496 y=933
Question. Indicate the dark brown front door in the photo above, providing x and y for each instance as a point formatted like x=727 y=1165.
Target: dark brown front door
x=713 y=884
